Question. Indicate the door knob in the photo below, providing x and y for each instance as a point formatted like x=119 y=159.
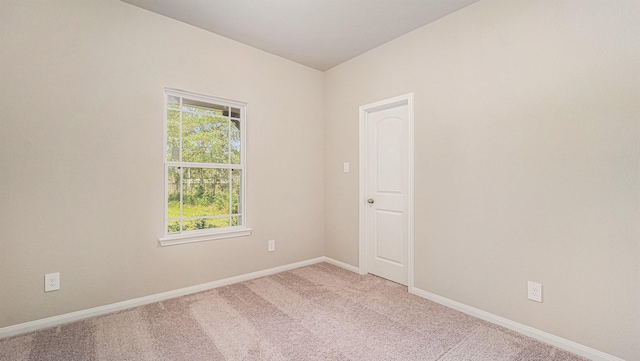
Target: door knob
x=370 y=201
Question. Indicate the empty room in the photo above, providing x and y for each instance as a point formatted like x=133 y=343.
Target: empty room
x=320 y=180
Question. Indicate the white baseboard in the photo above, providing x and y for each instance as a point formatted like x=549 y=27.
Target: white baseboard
x=559 y=342
x=346 y=266
x=101 y=310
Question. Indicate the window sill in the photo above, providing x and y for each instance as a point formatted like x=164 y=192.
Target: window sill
x=201 y=236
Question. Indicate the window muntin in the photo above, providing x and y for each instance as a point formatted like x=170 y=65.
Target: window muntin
x=204 y=165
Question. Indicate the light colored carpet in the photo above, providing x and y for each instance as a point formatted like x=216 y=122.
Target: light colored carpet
x=319 y=312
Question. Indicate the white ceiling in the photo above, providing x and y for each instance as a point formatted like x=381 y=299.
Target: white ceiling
x=318 y=33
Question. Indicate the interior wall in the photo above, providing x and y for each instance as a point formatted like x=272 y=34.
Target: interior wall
x=526 y=161
x=82 y=188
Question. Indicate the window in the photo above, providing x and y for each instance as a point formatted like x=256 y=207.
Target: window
x=204 y=168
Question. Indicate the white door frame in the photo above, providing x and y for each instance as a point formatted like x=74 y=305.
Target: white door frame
x=364 y=112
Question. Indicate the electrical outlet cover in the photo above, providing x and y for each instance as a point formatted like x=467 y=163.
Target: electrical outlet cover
x=534 y=291
x=52 y=282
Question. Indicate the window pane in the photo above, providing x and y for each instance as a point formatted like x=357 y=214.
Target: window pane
x=173 y=102
x=193 y=225
x=213 y=109
x=173 y=193
x=173 y=135
x=236 y=221
x=173 y=227
x=236 y=189
x=235 y=113
x=205 y=192
x=205 y=137
x=205 y=223
x=218 y=222
x=234 y=145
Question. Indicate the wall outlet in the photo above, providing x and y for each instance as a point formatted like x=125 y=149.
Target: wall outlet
x=271 y=245
x=534 y=291
x=51 y=282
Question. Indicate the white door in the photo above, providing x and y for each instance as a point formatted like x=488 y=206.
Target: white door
x=387 y=191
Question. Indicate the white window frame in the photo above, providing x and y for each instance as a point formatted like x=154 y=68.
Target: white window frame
x=212 y=233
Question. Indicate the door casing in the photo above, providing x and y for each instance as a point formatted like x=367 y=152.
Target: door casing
x=365 y=110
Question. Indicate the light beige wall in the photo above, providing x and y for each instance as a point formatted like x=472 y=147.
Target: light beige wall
x=527 y=152
x=81 y=179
